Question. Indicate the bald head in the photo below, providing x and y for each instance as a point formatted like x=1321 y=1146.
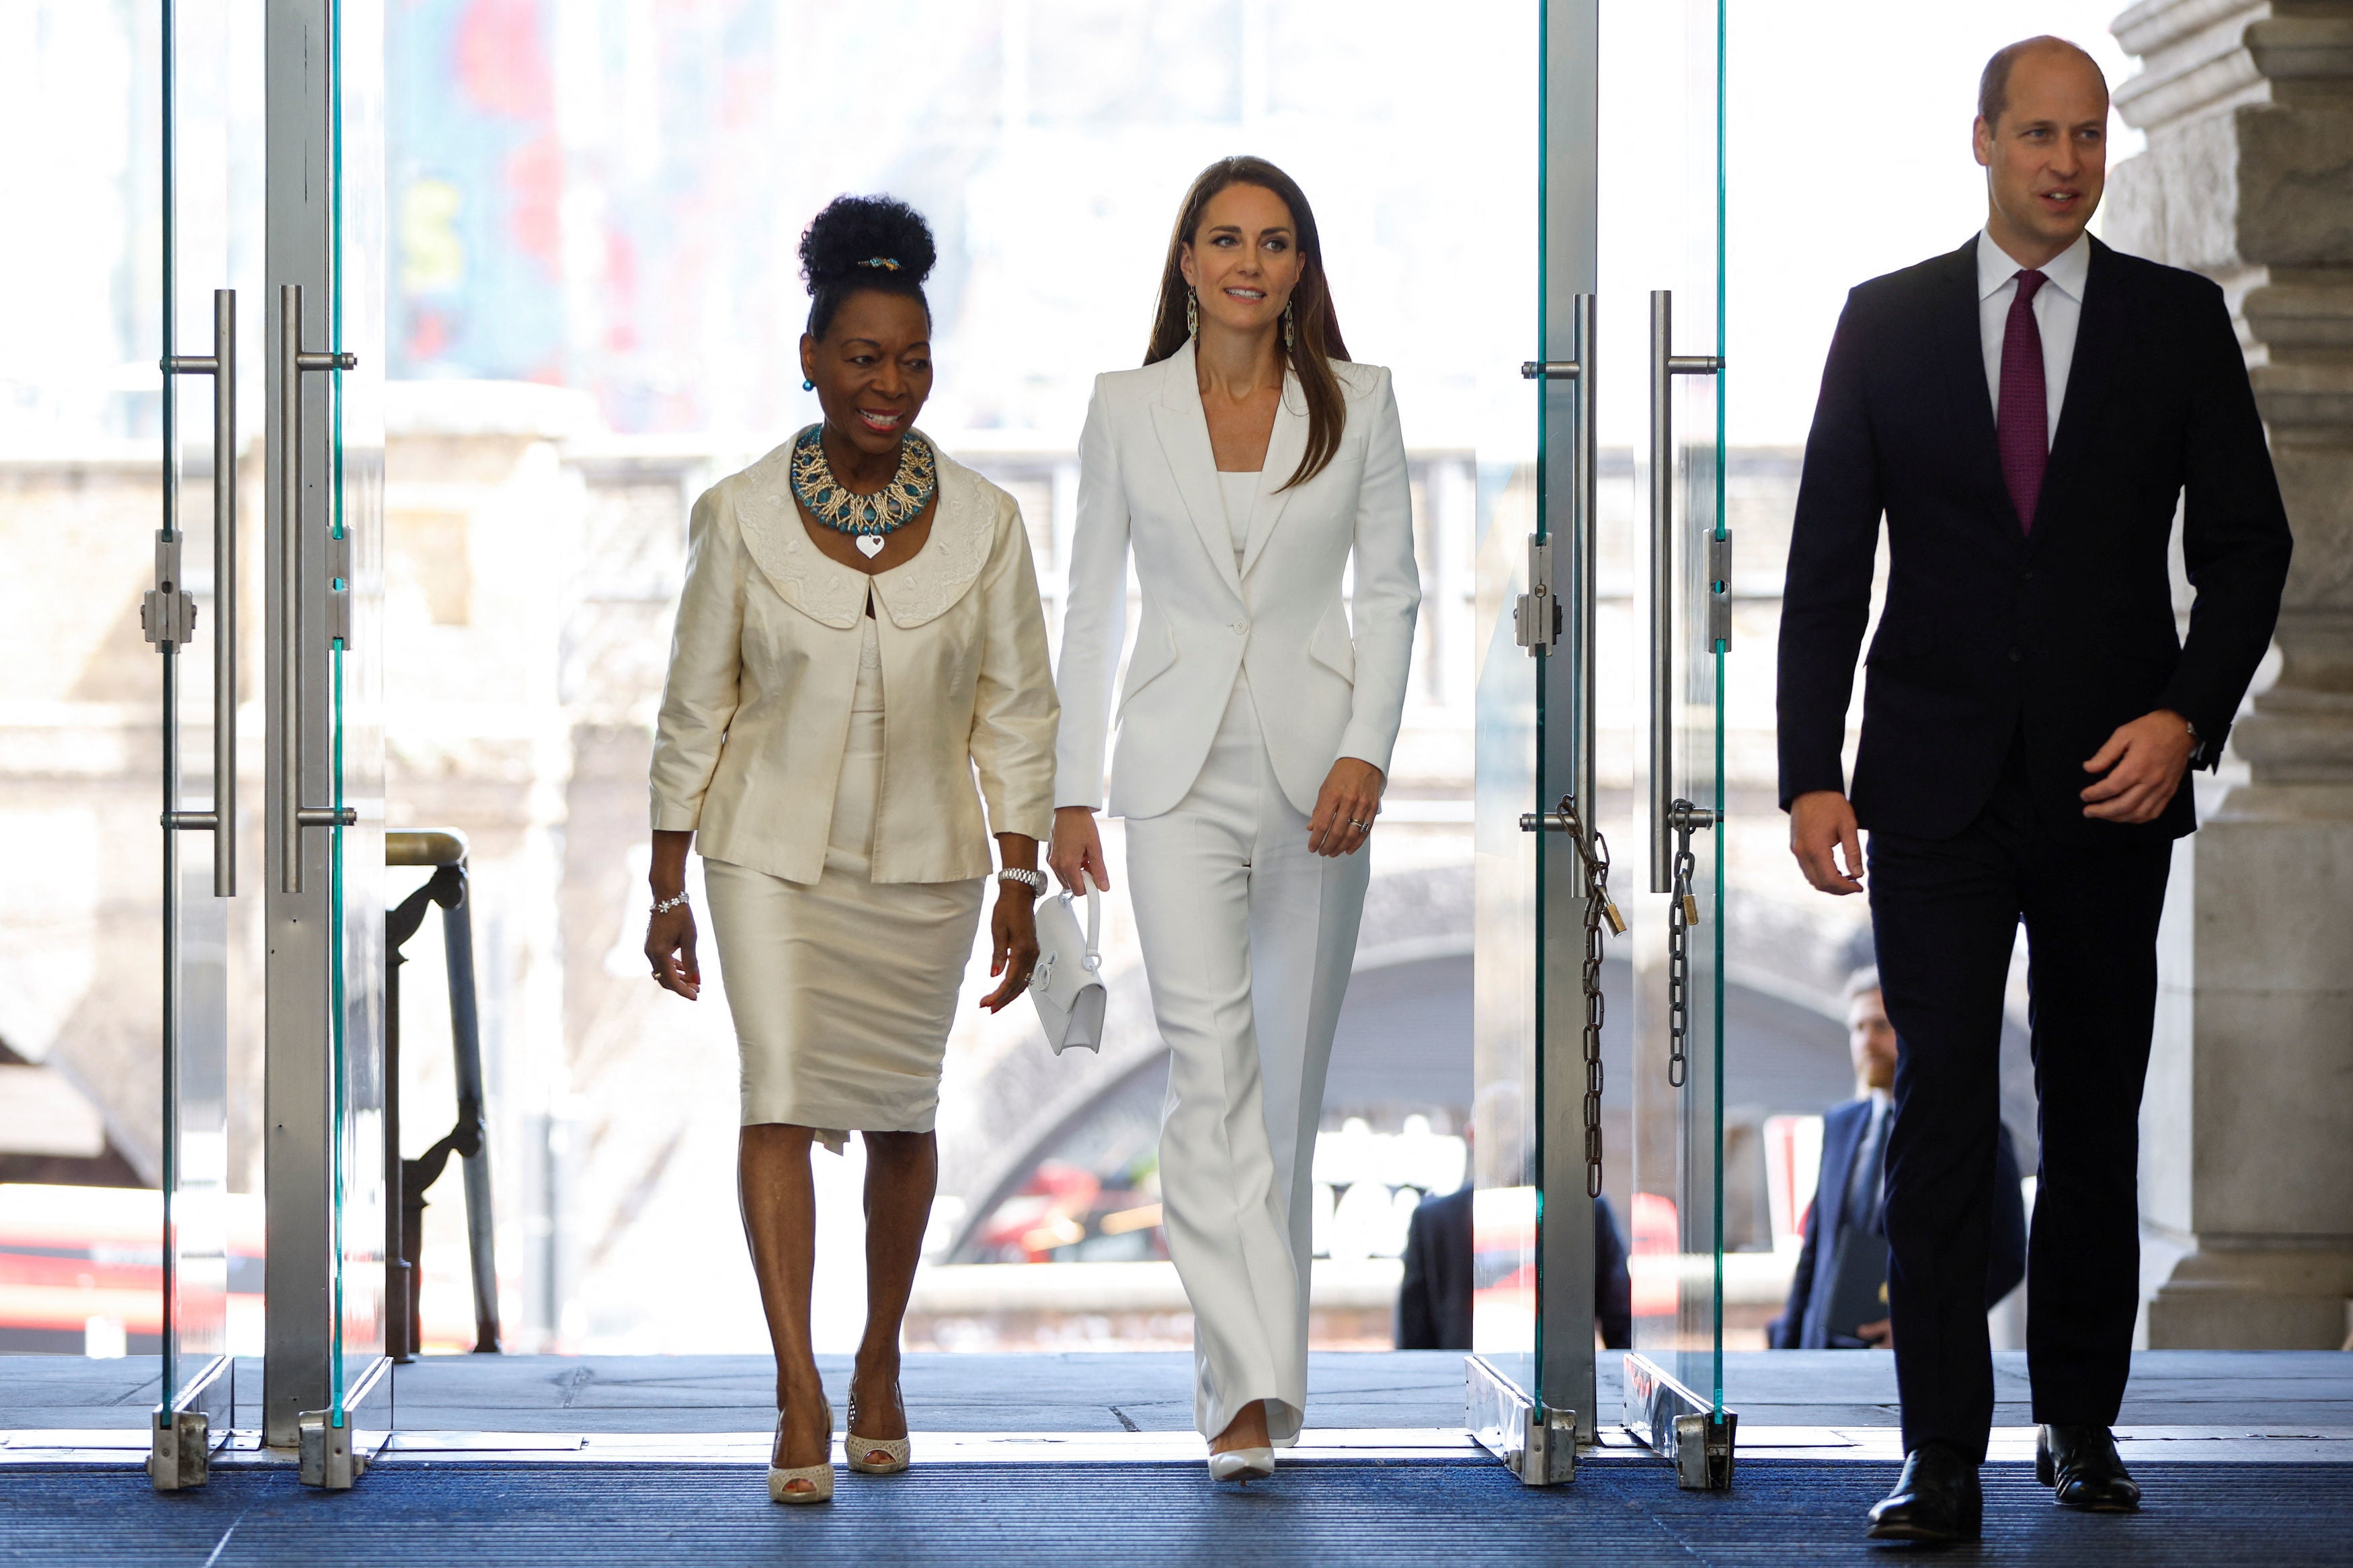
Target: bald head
x=1993 y=86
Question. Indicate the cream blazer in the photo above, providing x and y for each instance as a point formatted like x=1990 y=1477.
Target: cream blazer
x=764 y=667
x=1323 y=689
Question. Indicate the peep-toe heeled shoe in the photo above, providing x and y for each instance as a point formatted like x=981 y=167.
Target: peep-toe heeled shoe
x=818 y=1477
x=874 y=1456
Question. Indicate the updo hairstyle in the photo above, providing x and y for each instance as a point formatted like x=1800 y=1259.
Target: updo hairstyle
x=864 y=242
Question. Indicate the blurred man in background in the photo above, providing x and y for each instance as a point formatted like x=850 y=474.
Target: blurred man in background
x=1838 y=1299
x=1433 y=1310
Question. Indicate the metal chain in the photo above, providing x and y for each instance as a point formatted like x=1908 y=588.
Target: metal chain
x=1594 y=851
x=1679 y=968
x=1682 y=914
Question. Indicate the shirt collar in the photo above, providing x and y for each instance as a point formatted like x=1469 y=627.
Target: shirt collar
x=2065 y=271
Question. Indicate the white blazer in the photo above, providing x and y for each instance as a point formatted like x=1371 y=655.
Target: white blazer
x=1324 y=691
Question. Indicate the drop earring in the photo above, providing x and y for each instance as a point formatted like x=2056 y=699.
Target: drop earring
x=1192 y=314
x=1289 y=311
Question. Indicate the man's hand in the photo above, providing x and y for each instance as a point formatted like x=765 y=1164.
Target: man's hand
x=2145 y=760
x=1879 y=1335
x=1821 y=822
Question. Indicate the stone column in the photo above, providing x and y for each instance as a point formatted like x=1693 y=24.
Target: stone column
x=2247 y=1156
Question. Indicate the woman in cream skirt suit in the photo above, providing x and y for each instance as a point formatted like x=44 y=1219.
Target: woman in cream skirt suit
x=1247 y=464
x=858 y=638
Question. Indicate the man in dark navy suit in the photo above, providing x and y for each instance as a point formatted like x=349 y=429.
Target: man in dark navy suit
x=1434 y=1294
x=1844 y=1236
x=2027 y=412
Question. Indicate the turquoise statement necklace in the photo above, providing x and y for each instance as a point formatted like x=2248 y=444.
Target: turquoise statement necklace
x=869 y=520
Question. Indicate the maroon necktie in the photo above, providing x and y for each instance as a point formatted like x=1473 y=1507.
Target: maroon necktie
x=2022 y=427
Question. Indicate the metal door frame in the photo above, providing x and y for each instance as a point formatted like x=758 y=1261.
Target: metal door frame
x=305 y=42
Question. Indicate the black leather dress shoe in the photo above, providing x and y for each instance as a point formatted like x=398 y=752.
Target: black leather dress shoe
x=1936 y=1500
x=2083 y=1464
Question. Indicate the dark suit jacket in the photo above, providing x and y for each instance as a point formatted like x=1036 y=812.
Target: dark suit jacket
x=1990 y=633
x=1803 y=1324
x=1433 y=1310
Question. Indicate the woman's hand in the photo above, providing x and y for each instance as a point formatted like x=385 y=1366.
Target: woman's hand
x=669 y=945
x=1344 y=808
x=1013 y=943
x=1077 y=850
x=669 y=935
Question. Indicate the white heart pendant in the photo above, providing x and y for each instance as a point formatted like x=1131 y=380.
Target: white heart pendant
x=870 y=545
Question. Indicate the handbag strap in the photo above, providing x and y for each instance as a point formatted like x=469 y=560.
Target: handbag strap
x=1093 y=959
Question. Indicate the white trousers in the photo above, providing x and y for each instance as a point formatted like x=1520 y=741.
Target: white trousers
x=1248 y=940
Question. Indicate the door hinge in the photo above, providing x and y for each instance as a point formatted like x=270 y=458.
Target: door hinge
x=1536 y=614
x=1719 y=590
x=168 y=614
x=339 y=589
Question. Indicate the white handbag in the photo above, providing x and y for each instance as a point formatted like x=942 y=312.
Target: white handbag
x=1066 y=985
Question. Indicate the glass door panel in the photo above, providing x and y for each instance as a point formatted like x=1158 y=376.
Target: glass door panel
x=352 y=589
x=1531 y=1379
x=1509 y=979
x=1663 y=268
x=201 y=150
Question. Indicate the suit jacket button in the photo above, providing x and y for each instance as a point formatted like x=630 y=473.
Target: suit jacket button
x=1242 y=628
x=2015 y=656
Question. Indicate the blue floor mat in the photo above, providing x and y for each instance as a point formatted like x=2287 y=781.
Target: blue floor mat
x=1615 y=1515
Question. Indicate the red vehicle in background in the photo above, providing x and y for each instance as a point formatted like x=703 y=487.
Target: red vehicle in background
x=81 y=1270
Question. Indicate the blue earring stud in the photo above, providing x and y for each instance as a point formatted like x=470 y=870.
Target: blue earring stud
x=809 y=386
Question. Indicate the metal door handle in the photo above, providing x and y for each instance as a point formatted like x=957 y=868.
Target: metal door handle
x=221 y=365
x=1537 y=616
x=1665 y=365
x=292 y=361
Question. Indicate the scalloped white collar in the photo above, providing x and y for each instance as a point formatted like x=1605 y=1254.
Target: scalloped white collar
x=919 y=589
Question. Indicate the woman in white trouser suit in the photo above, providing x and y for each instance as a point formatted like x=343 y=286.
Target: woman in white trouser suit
x=1245 y=465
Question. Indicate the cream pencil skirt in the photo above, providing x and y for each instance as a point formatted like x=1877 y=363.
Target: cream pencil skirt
x=843 y=990
x=1248 y=940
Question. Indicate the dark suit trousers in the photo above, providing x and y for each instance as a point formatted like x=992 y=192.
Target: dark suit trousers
x=1945 y=914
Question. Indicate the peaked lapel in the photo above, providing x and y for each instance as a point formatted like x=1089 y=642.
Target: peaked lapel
x=1183 y=432
x=1961 y=347
x=1284 y=446
x=2099 y=334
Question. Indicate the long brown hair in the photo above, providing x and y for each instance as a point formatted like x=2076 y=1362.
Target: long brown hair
x=1314 y=324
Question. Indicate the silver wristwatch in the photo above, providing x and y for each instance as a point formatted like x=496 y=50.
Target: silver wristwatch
x=1033 y=880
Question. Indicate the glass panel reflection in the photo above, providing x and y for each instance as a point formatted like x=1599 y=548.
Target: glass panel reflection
x=1508 y=976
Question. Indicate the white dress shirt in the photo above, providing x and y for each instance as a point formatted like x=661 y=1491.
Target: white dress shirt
x=2058 y=308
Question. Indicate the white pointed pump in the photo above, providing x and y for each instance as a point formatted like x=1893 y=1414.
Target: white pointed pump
x=1241 y=1465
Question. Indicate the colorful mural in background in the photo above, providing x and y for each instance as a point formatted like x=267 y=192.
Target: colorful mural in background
x=581 y=190
x=477 y=195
